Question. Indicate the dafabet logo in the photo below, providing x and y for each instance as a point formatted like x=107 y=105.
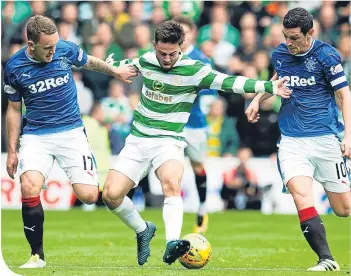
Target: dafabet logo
x=158 y=97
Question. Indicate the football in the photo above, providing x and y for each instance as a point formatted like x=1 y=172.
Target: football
x=199 y=253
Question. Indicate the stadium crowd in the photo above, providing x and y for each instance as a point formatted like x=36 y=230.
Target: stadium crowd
x=238 y=37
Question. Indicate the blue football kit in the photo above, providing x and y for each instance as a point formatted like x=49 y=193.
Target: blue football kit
x=48 y=89
x=313 y=78
x=197 y=118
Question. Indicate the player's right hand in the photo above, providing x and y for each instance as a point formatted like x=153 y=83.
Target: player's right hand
x=252 y=112
x=11 y=164
x=282 y=90
x=124 y=72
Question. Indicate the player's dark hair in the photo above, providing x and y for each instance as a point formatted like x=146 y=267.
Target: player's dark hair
x=169 y=32
x=39 y=24
x=185 y=21
x=298 y=17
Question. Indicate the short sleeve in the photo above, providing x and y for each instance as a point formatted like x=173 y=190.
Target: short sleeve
x=10 y=87
x=76 y=55
x=333 y=69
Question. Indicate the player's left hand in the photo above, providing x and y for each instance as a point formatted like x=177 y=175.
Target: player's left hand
x=282 y=90
x=346 y=147
x=125 y=72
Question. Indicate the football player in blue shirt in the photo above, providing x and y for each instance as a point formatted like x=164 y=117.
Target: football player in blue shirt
x=41 y=75
x=309 y=147
x=196 y=127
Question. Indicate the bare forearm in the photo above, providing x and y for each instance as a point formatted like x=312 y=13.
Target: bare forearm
x=13 y=120
x=98 y=65
x=262 y=97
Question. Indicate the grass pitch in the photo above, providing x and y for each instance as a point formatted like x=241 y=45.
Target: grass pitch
x=243 y=243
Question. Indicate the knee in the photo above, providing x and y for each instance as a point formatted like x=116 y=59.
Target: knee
x=344 y=212
x=171 y=187
x=90 y=198
x=29 y=187
x=111 y=197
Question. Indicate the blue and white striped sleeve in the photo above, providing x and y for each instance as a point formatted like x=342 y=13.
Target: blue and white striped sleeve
x=334 y=71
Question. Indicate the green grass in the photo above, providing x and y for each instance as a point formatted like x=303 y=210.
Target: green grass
x=243 y=243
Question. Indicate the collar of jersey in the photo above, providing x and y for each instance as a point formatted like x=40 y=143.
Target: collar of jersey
x=189 y=50
x=301 y=55
x=36 y=61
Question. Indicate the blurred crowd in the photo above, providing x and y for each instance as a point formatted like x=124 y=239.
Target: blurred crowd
x=238 y=37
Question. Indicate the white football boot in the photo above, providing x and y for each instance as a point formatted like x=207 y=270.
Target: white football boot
x=325 y=265
x=34 y=262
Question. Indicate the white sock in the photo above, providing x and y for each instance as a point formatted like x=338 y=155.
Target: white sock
x=129 y=215
x=202 y=209
x=173 y=217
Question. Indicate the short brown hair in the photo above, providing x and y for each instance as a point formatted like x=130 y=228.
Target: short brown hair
x=39 y=24
x=181 y=19
x=169 y=32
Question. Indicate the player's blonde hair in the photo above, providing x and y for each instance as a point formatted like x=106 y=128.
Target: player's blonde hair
x=39 y=24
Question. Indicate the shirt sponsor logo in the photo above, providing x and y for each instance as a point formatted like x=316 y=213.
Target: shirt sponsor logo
x=158 y=97
x=47 y=84
x=297 y=81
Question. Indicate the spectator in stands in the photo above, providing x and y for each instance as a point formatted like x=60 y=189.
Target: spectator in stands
x=329 y=32
x=117 y=111
x=273 y=37
x=223 y=139
x=84 y=94
x=240 y=190
x=266 y=129
x=249 y=45
x=219 y=15
x=120 y=17
x=127 y=34
x=143 y=39
x=97 y=82
x=261 y=61
x=223 y=50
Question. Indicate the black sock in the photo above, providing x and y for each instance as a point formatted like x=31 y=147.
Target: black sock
x=33 y=220
x=201 y=185
x=314 y=231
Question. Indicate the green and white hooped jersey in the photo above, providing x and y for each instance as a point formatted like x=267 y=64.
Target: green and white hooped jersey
x=167 y=96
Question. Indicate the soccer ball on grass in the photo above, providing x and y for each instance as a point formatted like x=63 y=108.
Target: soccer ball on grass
x=199 y=253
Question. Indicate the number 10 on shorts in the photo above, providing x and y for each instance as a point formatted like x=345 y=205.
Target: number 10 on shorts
x=342 y=169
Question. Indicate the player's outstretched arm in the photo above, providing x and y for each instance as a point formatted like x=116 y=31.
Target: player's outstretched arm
x=344 y=96
x=252 y=110
x=241 y=85
x=122 y=73
x=13 y=120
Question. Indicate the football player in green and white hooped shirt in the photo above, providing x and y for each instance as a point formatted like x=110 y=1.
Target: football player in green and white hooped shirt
x=171 y=84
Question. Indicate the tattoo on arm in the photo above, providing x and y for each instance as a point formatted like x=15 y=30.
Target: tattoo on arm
x=98 y=65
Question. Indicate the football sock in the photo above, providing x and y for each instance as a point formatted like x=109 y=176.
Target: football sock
x=173 y=217
x=129 y=215
x=201 y=186
x=314 y=231
x=33 y=221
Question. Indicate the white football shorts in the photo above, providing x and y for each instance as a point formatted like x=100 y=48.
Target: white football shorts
x=317 y=157
x=141 y=154
x=196 y=139
x=69 y=148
